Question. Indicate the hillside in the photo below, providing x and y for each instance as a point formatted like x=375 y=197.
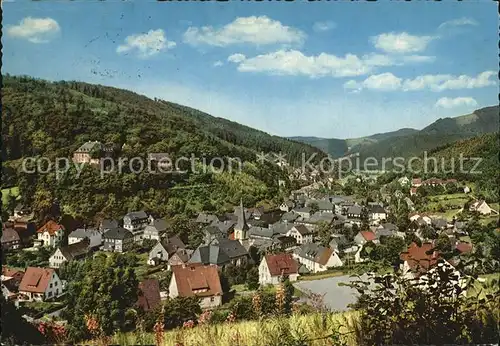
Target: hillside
x=53 y=119
x=339 y=147
x=408 y=142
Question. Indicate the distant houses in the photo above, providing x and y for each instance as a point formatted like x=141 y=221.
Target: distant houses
x=481 y=207
x=79 y=234
x=316 y=258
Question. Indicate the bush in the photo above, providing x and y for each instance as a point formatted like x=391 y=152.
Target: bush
x=432 y=310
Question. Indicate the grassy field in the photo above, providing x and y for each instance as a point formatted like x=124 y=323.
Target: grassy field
x=309 y=329
x=5 y=192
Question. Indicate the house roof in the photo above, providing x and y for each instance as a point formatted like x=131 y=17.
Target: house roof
x=84 y=233
x=260 y=232
x=149 y=294
x=281 y=264
x=377 y=209
x=354 y=209
x=9 y=235
x=289 y=217
x=368 y=235
x=219 y=252
x=75 y=250
x=12 y=273
x=206 y=218
x=303 y=230
x=320 y=216
x=88 y=146
x=420 y=258
x=223 y=226
x=389 y=226
x=118 y=233
x=36 y=279
x=137 y=215
x=173 y=244
x=197 y=280
x=51 y=226
x=302 y=210
x=314 y=252
x=281 y=227
x=439 y=223
x=108 y=224
x=289 y=203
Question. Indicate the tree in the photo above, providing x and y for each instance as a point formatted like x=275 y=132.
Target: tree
x=288 y=291
x=443 y=244
x=15 y=329
x=323 y=229
x=314 y=207
x=104 y=289
x=427 y=232
x=252 y=278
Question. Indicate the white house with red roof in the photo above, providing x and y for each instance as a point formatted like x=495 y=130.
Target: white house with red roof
x=273 y=268
x=196 y=279
x=364 y=237
x=40 y=284
x=50 y=234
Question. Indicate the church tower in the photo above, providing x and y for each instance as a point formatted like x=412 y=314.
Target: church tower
x=241 y=228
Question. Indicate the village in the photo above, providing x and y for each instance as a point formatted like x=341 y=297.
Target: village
x=311 y=236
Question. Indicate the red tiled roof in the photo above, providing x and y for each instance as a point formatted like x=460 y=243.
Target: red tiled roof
x=149 y=294
x=421 y=258
x=281 y=264
x=36 y=279
x=368 y=235
x=51 y=226
x=6 y=271
x=197 y=279
x=464 y=247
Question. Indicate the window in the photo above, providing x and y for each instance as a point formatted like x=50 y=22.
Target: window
x=50 y=285
x=212 y=299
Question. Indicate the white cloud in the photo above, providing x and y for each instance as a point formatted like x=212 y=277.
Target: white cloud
x=449 y=82
x=254 y=30
x=218 y=63
x=446 y=102
x=146 y=45
x=384 y=81
x=236 y=58
x=35 y=30
x=295 y=63
x=324 y=26
x=436 y=83
x=458 y=22
x=401 y=43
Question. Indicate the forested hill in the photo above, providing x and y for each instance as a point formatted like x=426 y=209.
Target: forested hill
x=58 y=117
x=441 y=132
x=406 y=142
x=53 y=119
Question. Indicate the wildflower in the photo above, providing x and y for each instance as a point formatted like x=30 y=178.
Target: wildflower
x=188 y=324
x=231 y=317
x=280 y=298
x=205 y=317
x=257 y=304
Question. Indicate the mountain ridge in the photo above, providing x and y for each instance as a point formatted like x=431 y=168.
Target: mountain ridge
x=409 y=141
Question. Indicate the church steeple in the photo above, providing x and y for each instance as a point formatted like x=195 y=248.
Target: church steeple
x=241 y=227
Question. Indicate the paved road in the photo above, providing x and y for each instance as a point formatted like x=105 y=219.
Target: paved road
x=336 y=297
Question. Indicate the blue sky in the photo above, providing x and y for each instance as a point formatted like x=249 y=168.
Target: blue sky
x=329 y=69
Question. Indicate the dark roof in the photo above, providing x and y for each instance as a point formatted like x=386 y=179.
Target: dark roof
x=137 y=215
x=9 y=235
x=377 y=209
x=206 y=218
x=76 y=250
x=260 y=232
x=149 y=294
x=289 y=217
x=108 y=224
x=219 y=252
x=223 y=226
x=89 y=146
x=389 y=226
x=213 y=230
x=439 y=223
x=232 y=248
x=302 y=210
x=314 y=252
x=160 y=225
x=83 y=232
x=281 y=228
x=354 y=209
x=173 y=244
x=303 y=230
x=118 y=233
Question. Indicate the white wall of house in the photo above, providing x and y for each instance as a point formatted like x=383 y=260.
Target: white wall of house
x=301 y=239
x=210 y=302
x=172 y=288
x=57 y=259
x=50 y=240
x=359 y=239
x=314 y=267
